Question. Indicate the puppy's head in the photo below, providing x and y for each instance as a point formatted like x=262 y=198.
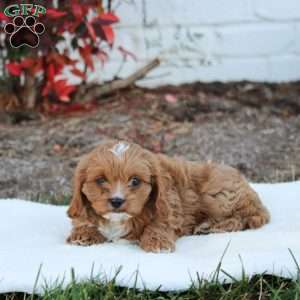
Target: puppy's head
x=115 y=178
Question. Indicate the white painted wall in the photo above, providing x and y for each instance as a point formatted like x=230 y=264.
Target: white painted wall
x=209 y=40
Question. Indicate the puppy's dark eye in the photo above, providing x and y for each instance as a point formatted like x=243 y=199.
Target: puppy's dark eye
x=100 y=180
x=135 y=181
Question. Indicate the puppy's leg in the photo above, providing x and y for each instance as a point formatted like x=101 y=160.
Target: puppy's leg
x=85 y=235
x=235 y=223
x=158 y=238
x=226 y=225
x=258 y=220
x=254 y=214
x=231 y=204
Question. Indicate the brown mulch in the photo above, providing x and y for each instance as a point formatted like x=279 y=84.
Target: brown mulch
x=254 y=127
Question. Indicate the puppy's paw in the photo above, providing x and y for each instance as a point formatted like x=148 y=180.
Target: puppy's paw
x=203 y=228
x=156 y=243
x=85 y=236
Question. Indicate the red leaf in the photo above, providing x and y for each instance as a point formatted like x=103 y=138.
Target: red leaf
x=51 y=72
x=14 y=68
x=67 y=25
x=57 y=59
x=126 y=53
x=62 y=59
x=86 y=54
x=107 y=18
x=63 y=90
x=77 y=11
x=60 y=88
x=91 y=30
x=54 y=13
x=71 y=108
x=59 y=84
x=109 y=34
x=171 y=98
x=78 y=73
x=31 y=65
x=27 y=63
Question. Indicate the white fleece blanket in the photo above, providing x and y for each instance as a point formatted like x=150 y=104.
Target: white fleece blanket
x=33 y=235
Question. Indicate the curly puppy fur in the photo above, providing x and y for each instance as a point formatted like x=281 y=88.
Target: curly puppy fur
x=162 y=198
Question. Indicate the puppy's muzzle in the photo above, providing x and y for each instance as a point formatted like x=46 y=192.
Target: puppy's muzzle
x=116 y=202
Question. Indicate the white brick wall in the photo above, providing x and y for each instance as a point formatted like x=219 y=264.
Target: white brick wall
x=209 y=40
x=170 y=12
x=254 y=40
x=287 y=10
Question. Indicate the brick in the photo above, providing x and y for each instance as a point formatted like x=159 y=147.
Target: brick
x=131 y=39
x=170 y=12
x=277 y=10
x=296 y=47
x=254 y=39
x=275 y=69
x=112 y=68
x=228 y=69
x=129 y=12
x=179 y=41
x=284 y=68
x=232 y=69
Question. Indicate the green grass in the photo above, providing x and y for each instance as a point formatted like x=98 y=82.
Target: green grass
x=258 y=287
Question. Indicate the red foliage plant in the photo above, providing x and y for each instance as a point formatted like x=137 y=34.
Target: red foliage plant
x=71 y=26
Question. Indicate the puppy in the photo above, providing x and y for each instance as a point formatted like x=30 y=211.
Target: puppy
x=124 y=191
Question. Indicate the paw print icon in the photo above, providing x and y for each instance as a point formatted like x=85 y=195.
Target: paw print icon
x=24 y=31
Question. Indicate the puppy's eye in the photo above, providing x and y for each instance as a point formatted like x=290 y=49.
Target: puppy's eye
x=101 y=180
x=135 y=181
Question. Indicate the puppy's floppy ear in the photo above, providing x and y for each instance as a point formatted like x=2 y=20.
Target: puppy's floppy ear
x=77 y=208
x=160 y=182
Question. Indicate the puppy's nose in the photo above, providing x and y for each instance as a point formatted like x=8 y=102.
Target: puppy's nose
x=116 y=202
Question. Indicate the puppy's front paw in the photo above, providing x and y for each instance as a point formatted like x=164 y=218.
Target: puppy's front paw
x=85 y=236
x=203 y=228
x=153 y=242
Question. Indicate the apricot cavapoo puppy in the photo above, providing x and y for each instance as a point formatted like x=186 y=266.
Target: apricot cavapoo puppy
x=124 y=191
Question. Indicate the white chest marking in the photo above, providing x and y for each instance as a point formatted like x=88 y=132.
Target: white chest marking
x=119 y=149
x=115 y=227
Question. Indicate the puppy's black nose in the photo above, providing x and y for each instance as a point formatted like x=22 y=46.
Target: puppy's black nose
x=116 y=202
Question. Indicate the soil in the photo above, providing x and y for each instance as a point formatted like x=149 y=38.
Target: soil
x=253 y=127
